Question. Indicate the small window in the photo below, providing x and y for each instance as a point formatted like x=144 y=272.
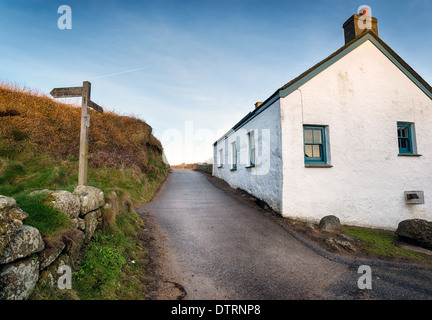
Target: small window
x=234 y=156
x=314 y=144
x=405 y=138
x=220 y=158
x=251 y=149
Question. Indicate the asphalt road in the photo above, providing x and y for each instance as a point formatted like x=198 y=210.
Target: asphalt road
x=222 y=249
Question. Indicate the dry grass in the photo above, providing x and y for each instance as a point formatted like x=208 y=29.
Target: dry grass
x=38 y=121
x=189 y=166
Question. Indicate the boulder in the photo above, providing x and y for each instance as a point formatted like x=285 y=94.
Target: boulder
x=26 y=241
x=330 y=223
x=91 y=199
x=74 y=240
x=91 y=222
x=416 y=231
x=53 y=249
x=66 y=202
x=11 y=217
x=6 y=202
x=18 y=279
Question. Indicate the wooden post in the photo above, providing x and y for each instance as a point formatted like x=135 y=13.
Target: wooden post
x=83 y=92
x=83 y=153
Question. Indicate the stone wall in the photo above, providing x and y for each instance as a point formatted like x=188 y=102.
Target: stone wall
x=26 y=257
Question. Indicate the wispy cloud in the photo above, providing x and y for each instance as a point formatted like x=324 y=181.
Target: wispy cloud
x=117 y=73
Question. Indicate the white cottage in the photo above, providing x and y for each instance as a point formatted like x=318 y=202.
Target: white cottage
x=350 y=137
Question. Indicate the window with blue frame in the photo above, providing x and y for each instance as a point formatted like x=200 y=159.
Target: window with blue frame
x=220 y=164
x=314 y=144
x=405 y=138
x=252 y=158
x=234 y=156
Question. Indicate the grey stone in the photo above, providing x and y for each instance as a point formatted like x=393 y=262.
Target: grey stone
x=91 y=199
x=26 y=241
x=6 y=202
x=11 y=219
x=416 y=231
x=66 y=202
x=52 y=250
x=91 y=222
x=18 y=279
x=330 y=223
x=74 y=240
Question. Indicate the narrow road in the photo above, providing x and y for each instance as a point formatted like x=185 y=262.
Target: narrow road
x=222 y=249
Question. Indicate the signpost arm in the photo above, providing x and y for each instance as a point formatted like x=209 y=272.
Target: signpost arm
x=83 y=155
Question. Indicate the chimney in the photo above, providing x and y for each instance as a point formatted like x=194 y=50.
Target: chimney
x=257 y=105
x=359 y=23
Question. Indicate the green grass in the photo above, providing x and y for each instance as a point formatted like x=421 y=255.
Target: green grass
x=114 y=267
x=44 y=217
x=381 y=242
x=39 y=148
x=115 y=264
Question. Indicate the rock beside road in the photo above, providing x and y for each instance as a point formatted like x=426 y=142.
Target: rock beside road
x=330 y=223
x=417 y=231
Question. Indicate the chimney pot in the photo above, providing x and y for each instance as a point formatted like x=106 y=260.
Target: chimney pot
x=258 y=104
x=359 y=23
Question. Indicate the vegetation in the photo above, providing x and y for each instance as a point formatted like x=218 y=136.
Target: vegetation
x=115 y=264
x=39 y=146
x=189 y=166
x=382 y=243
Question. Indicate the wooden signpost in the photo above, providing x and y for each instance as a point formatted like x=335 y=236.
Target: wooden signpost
x=83 y=92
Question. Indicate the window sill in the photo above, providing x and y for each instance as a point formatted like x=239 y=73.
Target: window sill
x=221 y=166
x=409 y=155
x=252 y=166
x=233 y=169
x=318 y=165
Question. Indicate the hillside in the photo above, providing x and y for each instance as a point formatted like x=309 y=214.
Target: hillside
x=39 y=147
x=35 y=125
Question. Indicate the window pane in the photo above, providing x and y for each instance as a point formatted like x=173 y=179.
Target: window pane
x=405 y=139
x=308 y=151
x=252 y=157
x=308 y=136
x=317 y=136
x=251 y=140
x=316 y=151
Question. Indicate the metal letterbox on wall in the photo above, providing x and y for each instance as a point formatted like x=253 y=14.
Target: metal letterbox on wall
x=414 y=197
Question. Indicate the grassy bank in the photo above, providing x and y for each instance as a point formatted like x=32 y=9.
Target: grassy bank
x=39 y=145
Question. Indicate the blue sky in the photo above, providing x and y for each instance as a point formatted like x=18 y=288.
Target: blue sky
x=191 y=69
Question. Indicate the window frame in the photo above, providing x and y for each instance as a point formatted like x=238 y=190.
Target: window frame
x=234 y=155
x=410 y=140
x=221 y=156
x=322 y=144
x=251 y=149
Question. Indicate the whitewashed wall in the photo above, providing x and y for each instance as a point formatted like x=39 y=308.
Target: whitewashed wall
x=265 y=179
x=361 y=98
